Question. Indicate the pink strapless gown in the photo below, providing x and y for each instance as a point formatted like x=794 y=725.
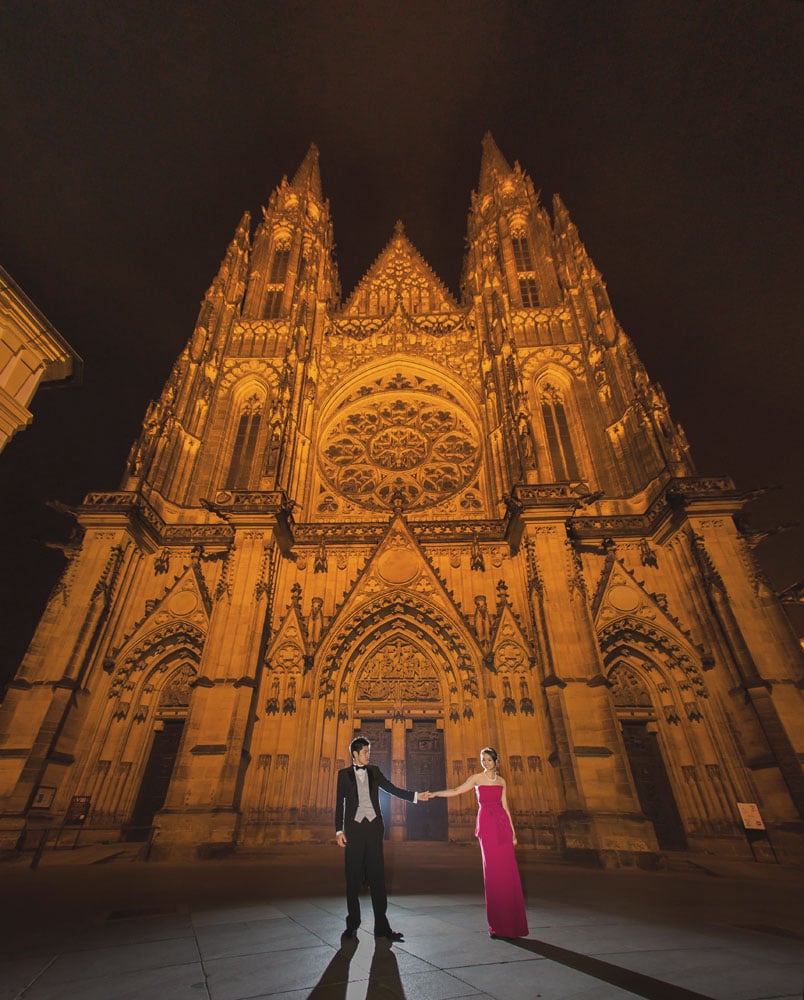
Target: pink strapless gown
x=505 y=906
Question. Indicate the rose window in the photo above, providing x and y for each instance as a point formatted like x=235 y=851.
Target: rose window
x=396 y=446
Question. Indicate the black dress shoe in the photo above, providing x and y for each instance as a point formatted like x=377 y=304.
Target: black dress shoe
x=390 y=935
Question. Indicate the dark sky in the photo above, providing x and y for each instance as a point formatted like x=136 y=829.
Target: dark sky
x=134 y=134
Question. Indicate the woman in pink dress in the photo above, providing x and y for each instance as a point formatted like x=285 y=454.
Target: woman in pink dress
x=505 y=906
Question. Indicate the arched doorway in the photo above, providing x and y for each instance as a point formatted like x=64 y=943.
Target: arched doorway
x=169 y=719
x=398 y=705
x=637 y=716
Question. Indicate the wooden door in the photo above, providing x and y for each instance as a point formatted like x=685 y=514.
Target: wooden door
x=426 y=770
x=156 y=779
x=653 y=785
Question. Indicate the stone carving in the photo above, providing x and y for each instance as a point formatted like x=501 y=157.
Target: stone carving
x=628 y=689
x=482 y=623
x=508 y=703
x=403 y=444
x=315 y=621
x=320 y=563
x=398 y=673
x=176 y=692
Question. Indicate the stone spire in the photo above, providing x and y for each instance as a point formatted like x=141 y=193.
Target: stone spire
x=308 y=176
x=491 y=162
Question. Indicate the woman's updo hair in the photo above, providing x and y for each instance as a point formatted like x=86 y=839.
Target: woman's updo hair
x=491 y=752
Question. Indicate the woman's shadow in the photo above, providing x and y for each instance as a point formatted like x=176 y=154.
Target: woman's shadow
x=384 y=978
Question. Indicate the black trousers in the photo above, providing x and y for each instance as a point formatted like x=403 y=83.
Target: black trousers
x=364 y=856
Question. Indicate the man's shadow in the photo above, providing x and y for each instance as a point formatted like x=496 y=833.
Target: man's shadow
x=384 y=980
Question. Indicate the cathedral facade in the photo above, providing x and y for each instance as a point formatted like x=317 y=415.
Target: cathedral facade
x=441 y=523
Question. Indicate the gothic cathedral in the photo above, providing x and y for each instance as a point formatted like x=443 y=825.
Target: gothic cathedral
x=441 y=523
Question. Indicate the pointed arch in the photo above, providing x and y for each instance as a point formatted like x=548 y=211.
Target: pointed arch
x=676 y=678
x=144 y=667
x=398 y=668
x=423 y=625
x=629 y=690
x=244 y=433
x=524 y=261
x=556 y=409
x=656 y=747
x=277 y=270
x=559 y=441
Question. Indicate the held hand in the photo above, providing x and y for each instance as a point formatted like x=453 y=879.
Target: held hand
x=424 y=796
x=341 y=838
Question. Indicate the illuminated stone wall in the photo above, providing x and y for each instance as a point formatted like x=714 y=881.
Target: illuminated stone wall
x=450 y=522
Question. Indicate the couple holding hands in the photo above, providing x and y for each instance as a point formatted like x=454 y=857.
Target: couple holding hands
x=359 y=826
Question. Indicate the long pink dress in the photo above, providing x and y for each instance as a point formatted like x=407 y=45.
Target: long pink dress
x=505 y=905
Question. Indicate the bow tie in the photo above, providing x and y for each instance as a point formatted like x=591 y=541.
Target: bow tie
x=359 y=767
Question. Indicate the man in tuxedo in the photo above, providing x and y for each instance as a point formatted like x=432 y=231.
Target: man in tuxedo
x=360 y=829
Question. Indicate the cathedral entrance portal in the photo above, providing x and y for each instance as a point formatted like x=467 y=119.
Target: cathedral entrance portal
x=637 y=715
x=398 y=697
x=653 y=785
x=156 y=779
x=424 y=769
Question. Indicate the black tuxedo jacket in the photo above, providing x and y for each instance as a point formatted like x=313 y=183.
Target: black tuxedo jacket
x=347 y=801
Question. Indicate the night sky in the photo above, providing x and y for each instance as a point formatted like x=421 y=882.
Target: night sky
x=134 y=134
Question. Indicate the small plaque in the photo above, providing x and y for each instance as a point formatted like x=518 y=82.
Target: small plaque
x=44 y=797
x=77 y=811
x=750 y=815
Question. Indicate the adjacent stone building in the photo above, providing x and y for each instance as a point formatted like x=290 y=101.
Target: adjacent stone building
x=439 y=522
x=32 y=353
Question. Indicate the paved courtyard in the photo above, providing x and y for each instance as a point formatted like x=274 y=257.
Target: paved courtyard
x=95 y=925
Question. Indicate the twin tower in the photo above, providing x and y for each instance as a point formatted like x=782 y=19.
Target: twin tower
x=438 y=522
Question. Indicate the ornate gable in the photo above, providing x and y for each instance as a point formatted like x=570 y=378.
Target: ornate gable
x=186 y=600
x=512 y=648
x=287 y=660
x=400 y=611
x=620 y=595
x=400 y=274
x=288 y=647
x=636 y=626
x=160 y=657
x=398 y=564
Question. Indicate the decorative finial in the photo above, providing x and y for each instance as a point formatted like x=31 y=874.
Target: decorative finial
x=399 y=228
x=397 y=501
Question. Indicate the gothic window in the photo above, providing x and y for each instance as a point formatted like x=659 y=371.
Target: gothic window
x=523 y=261
x=279 y=266
x=277 y=275
x=273 y=303
x=559 y=442
x=523 y=257
x=245 y=443
x=400 y=444
x=529 y=292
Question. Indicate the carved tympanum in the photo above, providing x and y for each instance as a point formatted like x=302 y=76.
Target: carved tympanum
x=398 y=672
